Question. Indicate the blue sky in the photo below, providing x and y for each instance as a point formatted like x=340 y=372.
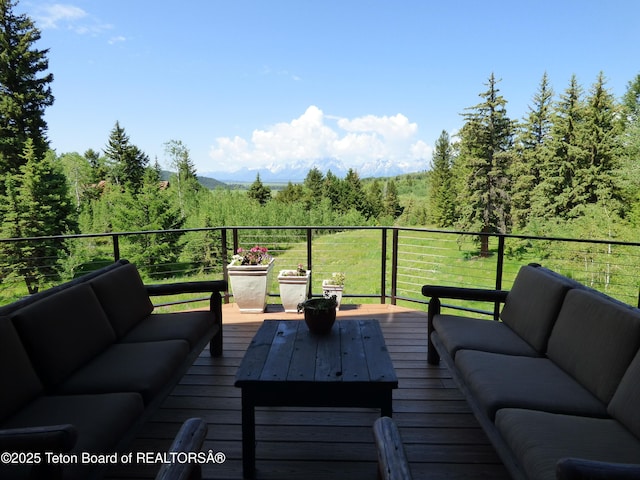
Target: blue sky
x=248 y=83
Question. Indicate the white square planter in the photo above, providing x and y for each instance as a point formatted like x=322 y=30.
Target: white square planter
x=328 y=290
x=293 y=289
x=249 y=285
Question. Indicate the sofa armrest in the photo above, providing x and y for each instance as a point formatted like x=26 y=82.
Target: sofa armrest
x=187 y=287
x=204 y=286
x=392 y=459
x=51 y=438
x=581 y=469
x=189 y=439
x=459 y=293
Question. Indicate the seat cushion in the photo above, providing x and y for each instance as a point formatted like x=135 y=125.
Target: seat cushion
x=101 y=421
x=144 y=368
x=502 y=381
x=533 y=303
x=19 y=381
x=63 y=331
x=594 y=340
x=189 y=326
x=123 y=297
x=539 y=439
x=458 y=333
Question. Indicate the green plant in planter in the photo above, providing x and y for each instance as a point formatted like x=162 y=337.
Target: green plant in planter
x=300 y=271
x=319 y=313
x=318 y=303
x=337 y=278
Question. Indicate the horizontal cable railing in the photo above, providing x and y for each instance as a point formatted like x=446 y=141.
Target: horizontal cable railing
x=384 y=264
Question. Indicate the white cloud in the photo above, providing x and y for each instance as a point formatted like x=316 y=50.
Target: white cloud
x=391 y=128
x=74 y=18
x=51 y=16
x=316 y=136
x=118 y=39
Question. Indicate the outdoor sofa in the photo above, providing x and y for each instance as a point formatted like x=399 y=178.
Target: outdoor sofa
x=84 y=365
x=555 y=383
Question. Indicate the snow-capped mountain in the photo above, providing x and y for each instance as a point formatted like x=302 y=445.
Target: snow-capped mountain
x=297 y=171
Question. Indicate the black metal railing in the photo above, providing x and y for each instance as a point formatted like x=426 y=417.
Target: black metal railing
x=384 y=264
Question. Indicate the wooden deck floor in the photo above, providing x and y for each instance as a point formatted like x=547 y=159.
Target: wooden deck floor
x=441 y=436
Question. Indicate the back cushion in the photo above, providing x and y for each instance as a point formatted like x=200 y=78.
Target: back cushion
x=63 y=331
x=594 y=340
x=19 y=381
x=123 y=296
x=624 y=404
x=533 y=304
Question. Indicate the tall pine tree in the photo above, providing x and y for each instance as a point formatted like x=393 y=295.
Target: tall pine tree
x=36 y=204
x=556 y=197
x=441 y=193
x=25 y=90
x=485 y=149
x=127 y=163
x=603 y=125
x=534 y=132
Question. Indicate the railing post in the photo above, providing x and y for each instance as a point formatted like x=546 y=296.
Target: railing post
x=116 y=247
x=499 y=272
x=235 y=240
x=394 y=266
x=225 y=261
x=310 y=261
x=383 y=269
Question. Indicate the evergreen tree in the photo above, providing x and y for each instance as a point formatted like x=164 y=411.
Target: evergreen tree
x=374 y=201
x=629 y=173
x=333 y=190
x=441 y=193
x=391 y=200
x=555 y=195
x=353 y=194
x=314 y=187
x=126 y=162
x=25 y=90
x=98 y=165
x=292 y=193
x=596 y=180
x=36 y=204
x=486 y=141
x=631 y=100
x=534 y=132
x=151 y=209
x=259 y=192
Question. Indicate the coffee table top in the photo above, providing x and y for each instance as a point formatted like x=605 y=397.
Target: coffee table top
x=285 y=351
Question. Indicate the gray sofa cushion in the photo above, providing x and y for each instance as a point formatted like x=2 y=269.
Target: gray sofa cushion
x=501 y=381
x=539 y=439
x=20 y=383
x=63 y=331
x=189 y=326
x=123 y=297
x=533 y=303
x=100 y=420
x=144 y=368
x=624 y=405
x=594 y=340
x=458 y=333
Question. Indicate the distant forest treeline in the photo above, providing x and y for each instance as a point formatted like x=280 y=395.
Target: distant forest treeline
x=569 y=168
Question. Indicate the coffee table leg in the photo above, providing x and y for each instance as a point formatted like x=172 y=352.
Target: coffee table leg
x=386 y=409
x=248 y=436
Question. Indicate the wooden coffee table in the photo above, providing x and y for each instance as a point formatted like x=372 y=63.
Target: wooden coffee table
x=286 y=365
